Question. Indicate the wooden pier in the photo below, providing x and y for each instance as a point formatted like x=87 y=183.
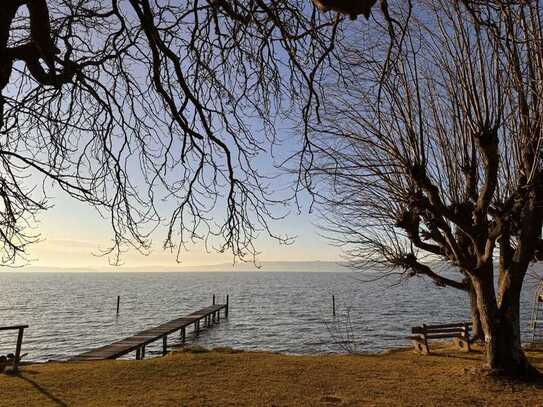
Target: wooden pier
x=137 y=343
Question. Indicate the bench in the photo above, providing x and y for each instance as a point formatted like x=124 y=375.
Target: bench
x=458 y=331
x=13 y=359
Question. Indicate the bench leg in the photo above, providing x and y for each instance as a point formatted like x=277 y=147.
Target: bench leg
x=421 y=346
x=18 y=350
x=462 y=344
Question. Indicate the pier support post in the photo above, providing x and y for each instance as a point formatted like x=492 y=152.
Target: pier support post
x=227 y=306
x=333 y=305
x=118 y=303
x=164 y=345
x=142 y=352
x=138 y=354
x=213 y=299
x=183 y=334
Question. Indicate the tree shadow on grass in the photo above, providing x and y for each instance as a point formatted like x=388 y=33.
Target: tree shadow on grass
x=473 y=355
x=43 y=391
x=454 y=356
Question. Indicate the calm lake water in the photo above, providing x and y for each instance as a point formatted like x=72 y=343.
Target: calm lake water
x=69 y=313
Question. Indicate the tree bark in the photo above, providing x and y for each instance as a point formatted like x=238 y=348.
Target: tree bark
x=7 y=13
x=509 y=309
x=501 y=325
x=477 y=334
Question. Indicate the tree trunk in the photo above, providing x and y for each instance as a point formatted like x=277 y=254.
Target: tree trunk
x=501 y=325
x=477 y=334
x=7 y=13
x=509 y=308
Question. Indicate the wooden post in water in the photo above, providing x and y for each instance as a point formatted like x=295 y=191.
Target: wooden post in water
x=227 y=306
x=334 y=305
x=183 y=334
x=118 y=303
x=213 y=299
x=164 y=345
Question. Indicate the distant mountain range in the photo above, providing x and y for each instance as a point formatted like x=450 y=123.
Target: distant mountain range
x=266 y=266
x=306 y=266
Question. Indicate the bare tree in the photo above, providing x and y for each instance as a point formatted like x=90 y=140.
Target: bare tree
x=124 y=104
x=442 y=159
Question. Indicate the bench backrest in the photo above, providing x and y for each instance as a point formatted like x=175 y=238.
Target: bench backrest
x=445 y=329
x=13 y=327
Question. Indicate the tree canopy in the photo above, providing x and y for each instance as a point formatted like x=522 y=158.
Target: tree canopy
x=124 y=104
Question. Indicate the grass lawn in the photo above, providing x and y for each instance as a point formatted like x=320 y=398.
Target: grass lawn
x=223 y=378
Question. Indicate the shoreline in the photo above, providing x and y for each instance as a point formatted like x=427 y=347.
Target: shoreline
x=196 y=348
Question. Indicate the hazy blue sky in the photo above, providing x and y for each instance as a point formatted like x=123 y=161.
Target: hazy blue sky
x=72 y=231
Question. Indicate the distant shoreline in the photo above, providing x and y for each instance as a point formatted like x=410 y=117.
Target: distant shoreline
x=23 y=271
x=279 y=266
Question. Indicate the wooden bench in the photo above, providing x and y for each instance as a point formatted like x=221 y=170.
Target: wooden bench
x=13 y=359
x=458 y=331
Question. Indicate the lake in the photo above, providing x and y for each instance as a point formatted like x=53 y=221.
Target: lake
x=69 y=313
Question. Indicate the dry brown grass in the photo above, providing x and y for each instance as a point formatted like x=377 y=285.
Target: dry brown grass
x=264 y=379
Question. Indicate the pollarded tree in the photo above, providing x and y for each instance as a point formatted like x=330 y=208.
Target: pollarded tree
x=125 y=103
x=438 y=157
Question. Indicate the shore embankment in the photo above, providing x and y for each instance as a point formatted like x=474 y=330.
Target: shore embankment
x=228 y=378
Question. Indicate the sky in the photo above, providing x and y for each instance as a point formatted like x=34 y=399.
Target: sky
x=73 y=233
